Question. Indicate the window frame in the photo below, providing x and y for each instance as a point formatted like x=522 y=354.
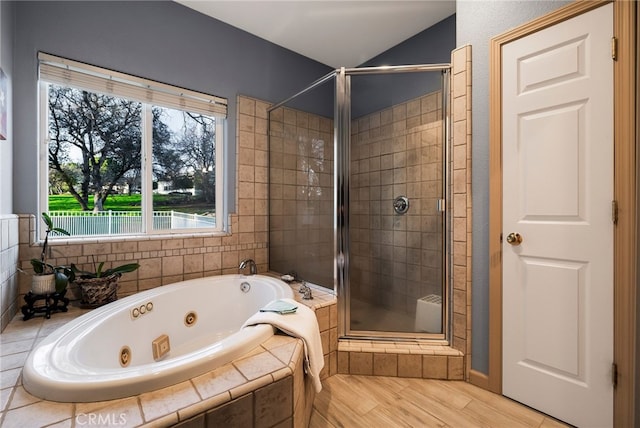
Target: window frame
x=146 y=165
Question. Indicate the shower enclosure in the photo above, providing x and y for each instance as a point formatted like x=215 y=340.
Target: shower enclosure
x=358 y=189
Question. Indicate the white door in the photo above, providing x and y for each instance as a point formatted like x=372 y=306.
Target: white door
x=557 y=193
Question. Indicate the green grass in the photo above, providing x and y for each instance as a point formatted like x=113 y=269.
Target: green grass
x=131 y=203
x=114 y=203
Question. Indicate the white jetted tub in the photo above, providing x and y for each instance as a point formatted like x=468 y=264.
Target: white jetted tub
x=152 y=339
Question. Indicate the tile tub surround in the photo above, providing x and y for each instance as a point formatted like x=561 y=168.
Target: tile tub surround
x=163 y=260
x=264 y=388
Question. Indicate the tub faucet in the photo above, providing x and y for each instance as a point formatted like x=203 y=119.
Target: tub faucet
x=253 y=268
x=305 y=290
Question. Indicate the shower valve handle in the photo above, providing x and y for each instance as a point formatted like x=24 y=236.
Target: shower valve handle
x=401 y=204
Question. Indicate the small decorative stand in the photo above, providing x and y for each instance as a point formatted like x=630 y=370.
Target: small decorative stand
x=54 y=302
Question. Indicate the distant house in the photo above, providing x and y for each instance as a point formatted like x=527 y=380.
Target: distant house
x=167 y=187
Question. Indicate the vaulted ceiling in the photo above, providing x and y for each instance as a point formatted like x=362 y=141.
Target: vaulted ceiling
x=335 y=33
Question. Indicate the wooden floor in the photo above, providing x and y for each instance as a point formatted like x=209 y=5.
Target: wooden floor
x=371 y=401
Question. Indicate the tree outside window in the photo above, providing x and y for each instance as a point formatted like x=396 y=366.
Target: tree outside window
x=96 y=147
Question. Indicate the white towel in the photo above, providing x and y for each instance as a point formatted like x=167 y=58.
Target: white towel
x=303 y=324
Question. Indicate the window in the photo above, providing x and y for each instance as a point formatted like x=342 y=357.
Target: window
x=128 y=156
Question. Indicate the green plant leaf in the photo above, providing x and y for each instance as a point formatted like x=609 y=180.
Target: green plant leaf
x=82 y=273
x=47 y=220
x=99 y=270
x=121 y=269
x=38 y=266
x=60 y=231
x=130 y=267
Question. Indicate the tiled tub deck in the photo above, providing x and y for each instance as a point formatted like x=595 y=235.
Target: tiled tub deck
x=265 y=388
x=263 y=385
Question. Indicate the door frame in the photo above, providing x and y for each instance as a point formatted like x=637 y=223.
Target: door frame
x=625 y=193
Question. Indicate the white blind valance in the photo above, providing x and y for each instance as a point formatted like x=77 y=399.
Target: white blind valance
x=66 y=72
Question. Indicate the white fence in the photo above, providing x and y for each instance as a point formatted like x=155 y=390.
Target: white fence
x=88 y=223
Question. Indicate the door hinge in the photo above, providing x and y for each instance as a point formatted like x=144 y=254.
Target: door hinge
x=614 y=49
x=614 y=374
x=614 y=212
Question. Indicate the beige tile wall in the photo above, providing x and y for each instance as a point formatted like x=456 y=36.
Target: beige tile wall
x=461 y=159
x=8 y=268
x=168 y=259
x=397 y=259
x=301 y=195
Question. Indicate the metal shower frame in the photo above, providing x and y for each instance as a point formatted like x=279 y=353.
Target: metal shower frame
x=342 y=158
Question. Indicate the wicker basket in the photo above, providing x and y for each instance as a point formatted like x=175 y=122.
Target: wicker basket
x=96 y=292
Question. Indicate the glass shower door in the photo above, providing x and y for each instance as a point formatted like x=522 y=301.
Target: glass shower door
x=396 y=265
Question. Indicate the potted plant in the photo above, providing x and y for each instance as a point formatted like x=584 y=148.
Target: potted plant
x=99 y=287
x=47 y=278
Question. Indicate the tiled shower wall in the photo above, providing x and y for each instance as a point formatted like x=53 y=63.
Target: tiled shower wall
x=168 y=259
x=301 y=195
x=8 y=268
x=397 y=259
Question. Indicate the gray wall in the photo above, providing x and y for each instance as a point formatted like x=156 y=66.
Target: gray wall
x=6 y=146
x=159 y=40
x=374 y=93
x=477 y=23
x=431 y=46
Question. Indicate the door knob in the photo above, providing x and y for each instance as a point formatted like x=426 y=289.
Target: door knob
x=514 y=238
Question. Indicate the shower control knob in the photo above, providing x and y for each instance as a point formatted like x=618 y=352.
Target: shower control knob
x=514 y=238
x=401 y=204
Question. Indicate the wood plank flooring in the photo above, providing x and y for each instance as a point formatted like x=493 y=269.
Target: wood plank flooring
x=372 y=401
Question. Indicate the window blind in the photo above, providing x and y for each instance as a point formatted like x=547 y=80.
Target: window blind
x=66 y=72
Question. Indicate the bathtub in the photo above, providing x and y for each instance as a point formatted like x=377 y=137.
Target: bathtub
x=152 y=339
